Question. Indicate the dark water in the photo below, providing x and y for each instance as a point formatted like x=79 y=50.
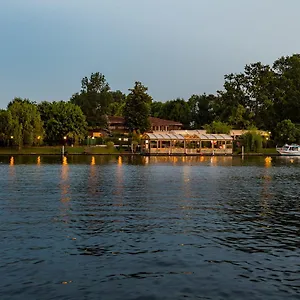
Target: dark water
x=149 y=228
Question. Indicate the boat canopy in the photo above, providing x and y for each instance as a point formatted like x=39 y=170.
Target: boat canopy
x=185 y=135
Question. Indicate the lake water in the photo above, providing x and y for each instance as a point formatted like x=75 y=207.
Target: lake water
x=149 y=228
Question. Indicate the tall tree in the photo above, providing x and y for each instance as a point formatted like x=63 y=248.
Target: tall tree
x=94 y=99
x=116 y=106
x=6 y=127
x=62 y=119
x=287 y=94
x=200 y=109
x=27 y=123
x=177 y=110
x=157 y=109
x=137 y=108
x=286 y=132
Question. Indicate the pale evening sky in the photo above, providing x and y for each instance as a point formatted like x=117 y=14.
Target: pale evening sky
x=175 y=47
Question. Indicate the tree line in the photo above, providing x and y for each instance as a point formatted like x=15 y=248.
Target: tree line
x=262 y=96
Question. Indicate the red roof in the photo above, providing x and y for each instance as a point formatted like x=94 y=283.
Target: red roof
x=161 y=122
x=154 y=121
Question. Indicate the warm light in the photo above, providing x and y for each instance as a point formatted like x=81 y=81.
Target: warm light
x=38 y=137
x=93 y=137
x=65 y=137
x=65 y=161
x=93 y=162
x=39 y=160
x=119 y=160
x=268 y=161
x=12 y=161
x=11 y=136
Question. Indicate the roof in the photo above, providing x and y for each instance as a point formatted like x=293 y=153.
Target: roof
x=185 y=135
x=154 y=121
x=116 y=119
x=162 y=122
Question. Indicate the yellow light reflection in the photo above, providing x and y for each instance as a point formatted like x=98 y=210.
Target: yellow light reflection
x=65 y=195
x=65 y=160
x=120 y=160
x=65 y=181
x=268 y=162
x=93 y=179
x=146 y=160
x=119 y=183
x=11 y=161
x=38 y=160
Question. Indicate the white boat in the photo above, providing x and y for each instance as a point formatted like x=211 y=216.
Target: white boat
x=289 y=150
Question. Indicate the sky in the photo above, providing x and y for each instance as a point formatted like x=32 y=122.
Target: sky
x=176 y=48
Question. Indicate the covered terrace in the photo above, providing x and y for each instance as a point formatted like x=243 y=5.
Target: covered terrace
x=185 y=142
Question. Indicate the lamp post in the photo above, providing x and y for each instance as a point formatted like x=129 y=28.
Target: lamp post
x=63 y=146
x=11 y=140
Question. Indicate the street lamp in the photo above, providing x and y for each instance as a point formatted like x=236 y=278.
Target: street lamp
x=63 y=147
x=11 y=142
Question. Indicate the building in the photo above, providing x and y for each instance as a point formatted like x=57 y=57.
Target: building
x=185 y=142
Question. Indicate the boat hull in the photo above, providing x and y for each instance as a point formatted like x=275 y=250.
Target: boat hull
x=289 y=153
x=289 y=150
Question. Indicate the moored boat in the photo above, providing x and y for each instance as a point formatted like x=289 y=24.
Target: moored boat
x=289 y=150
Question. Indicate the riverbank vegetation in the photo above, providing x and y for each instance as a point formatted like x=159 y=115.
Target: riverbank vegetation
x=261 y=97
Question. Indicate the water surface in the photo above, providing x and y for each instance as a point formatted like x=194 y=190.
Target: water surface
x=149 y=228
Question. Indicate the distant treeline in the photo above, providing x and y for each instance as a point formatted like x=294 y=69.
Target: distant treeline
x=264 y=97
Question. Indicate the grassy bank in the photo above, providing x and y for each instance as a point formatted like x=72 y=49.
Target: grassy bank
x=57 y=150
x=48 y=150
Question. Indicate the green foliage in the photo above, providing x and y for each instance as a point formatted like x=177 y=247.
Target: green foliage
x=177 y=110
x=217 y=127
x=116 y=106
x=252 y=141
x=25 y=124
x=200 y=110
x=137 y=108
x=6 y=127
x=94 y=99
x=62 y=119
x=156 y=109
x=110 y=145
x=286 y=132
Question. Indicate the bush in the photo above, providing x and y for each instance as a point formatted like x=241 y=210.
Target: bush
x=252 y=141
x=110 y=145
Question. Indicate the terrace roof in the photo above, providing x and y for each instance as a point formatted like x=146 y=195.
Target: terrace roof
x=185 y=135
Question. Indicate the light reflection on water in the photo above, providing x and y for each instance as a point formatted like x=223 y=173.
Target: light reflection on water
x=149 y=227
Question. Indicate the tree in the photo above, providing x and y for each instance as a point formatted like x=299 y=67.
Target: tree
x=6 y=127
x=62 y=119
x=287 y=93
x=217 y=127
x=286 y=132
x=26 y=122
x=252 y=141
x=157 y=109
x=238 y=119
x=94 y=99
x=137 y=108
x=116 y=106
x=177 y=110
x=250 y=95
x=200 y=109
